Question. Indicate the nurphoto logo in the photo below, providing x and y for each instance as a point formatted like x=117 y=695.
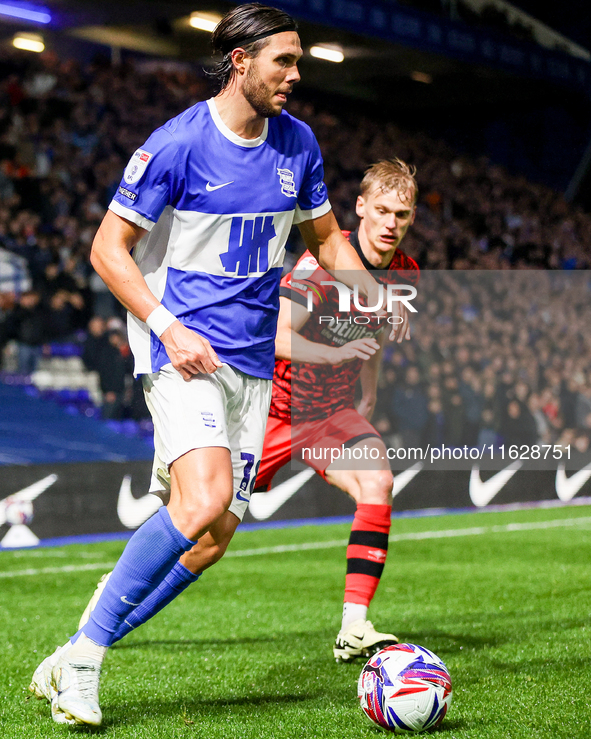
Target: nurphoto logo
x=387 y=297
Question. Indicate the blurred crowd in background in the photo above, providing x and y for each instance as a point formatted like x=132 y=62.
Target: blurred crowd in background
x=495 y=358
x=483 y=364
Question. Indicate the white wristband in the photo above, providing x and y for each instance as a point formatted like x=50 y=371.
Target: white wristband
x=160 y=319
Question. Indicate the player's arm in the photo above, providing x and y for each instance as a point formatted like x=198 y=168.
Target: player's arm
x=111 y=258
x=370 y=371
x=292 y=346
x=326 y=243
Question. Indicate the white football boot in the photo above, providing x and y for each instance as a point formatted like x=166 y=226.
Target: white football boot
x=75 y=677
x=41 y=681
x=58 y=715
x=42 y=688
x=94 y=600
x=360 y=639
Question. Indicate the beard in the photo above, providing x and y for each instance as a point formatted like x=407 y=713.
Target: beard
x=259 y=95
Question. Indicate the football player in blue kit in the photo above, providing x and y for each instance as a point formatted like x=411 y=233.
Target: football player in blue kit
x=206 y=205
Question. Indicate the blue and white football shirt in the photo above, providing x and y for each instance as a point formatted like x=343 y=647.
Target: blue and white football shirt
x=219 y=209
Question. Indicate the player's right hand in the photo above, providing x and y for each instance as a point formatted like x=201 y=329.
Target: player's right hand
x=189 y=353
x=358 y=349
x=400 y=329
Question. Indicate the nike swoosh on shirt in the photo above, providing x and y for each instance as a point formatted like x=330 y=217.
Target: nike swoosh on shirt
x=481 y=493
x=132 y=511
x=568 y=487
x=211 y=188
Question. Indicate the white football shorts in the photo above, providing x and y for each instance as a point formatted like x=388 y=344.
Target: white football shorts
x=227 y=408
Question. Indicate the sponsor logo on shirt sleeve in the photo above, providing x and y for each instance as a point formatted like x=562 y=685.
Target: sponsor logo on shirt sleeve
x=127 y=193
x=305 y=268
x=137 y=166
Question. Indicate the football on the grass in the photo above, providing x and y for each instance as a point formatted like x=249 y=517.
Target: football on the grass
x=405 y=688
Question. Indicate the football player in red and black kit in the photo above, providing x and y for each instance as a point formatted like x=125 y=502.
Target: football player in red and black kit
x=313 y=405
x=318 y=363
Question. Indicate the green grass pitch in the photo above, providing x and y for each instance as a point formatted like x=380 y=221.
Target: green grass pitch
x=503 y=598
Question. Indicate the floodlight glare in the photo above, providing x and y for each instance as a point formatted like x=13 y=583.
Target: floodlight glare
x=204 y=21
x=421 y=77
x=326 y=53
x=26 y=13
x=29 y=42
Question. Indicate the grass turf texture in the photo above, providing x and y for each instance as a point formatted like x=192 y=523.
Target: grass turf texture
x=246 y=652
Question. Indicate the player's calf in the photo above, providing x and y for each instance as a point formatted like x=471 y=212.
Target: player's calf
x=366 y=556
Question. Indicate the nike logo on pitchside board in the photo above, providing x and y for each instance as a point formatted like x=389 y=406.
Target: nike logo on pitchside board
x=27 y=494
x=402 y=479
x=20 y=535
x=568 y=487
x=264 y=505
x=132 y=511
x=481 y=493
x=211 y=188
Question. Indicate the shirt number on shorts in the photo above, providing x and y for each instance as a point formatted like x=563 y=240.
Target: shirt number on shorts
x=244 y=485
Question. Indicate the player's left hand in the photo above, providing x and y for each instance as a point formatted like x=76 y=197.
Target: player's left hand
x=400 y=329
x=189 y=353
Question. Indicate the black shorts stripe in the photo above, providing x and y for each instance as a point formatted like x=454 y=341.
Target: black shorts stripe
x=364 y=567
x=369 y=539
x=361 y=437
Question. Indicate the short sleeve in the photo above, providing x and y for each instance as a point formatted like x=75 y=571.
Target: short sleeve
x=403 y=269
x=150 y=181
x=313 y=197
x=304 y=280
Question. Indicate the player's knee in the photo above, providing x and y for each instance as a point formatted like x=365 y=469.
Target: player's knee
x=193 y=515
x=217 y=502
x=207 y=509
x=376 y=487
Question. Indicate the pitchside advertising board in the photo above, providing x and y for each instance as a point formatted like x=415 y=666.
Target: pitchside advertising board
x=43 y=503
x=489 y=404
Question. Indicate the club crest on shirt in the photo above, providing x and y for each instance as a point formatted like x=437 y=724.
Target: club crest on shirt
x=137 y=166
x=287 y=183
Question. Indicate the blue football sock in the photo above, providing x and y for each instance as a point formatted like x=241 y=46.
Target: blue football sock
x=177 y=580
x=149 y=556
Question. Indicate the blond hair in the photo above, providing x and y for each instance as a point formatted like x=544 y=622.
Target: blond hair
x=388 y=175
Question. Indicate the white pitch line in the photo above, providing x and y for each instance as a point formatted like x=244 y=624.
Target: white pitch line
x=499 y=529
x=307 y=546
x=289 y=548
x=57 y=570
x=443 y=534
